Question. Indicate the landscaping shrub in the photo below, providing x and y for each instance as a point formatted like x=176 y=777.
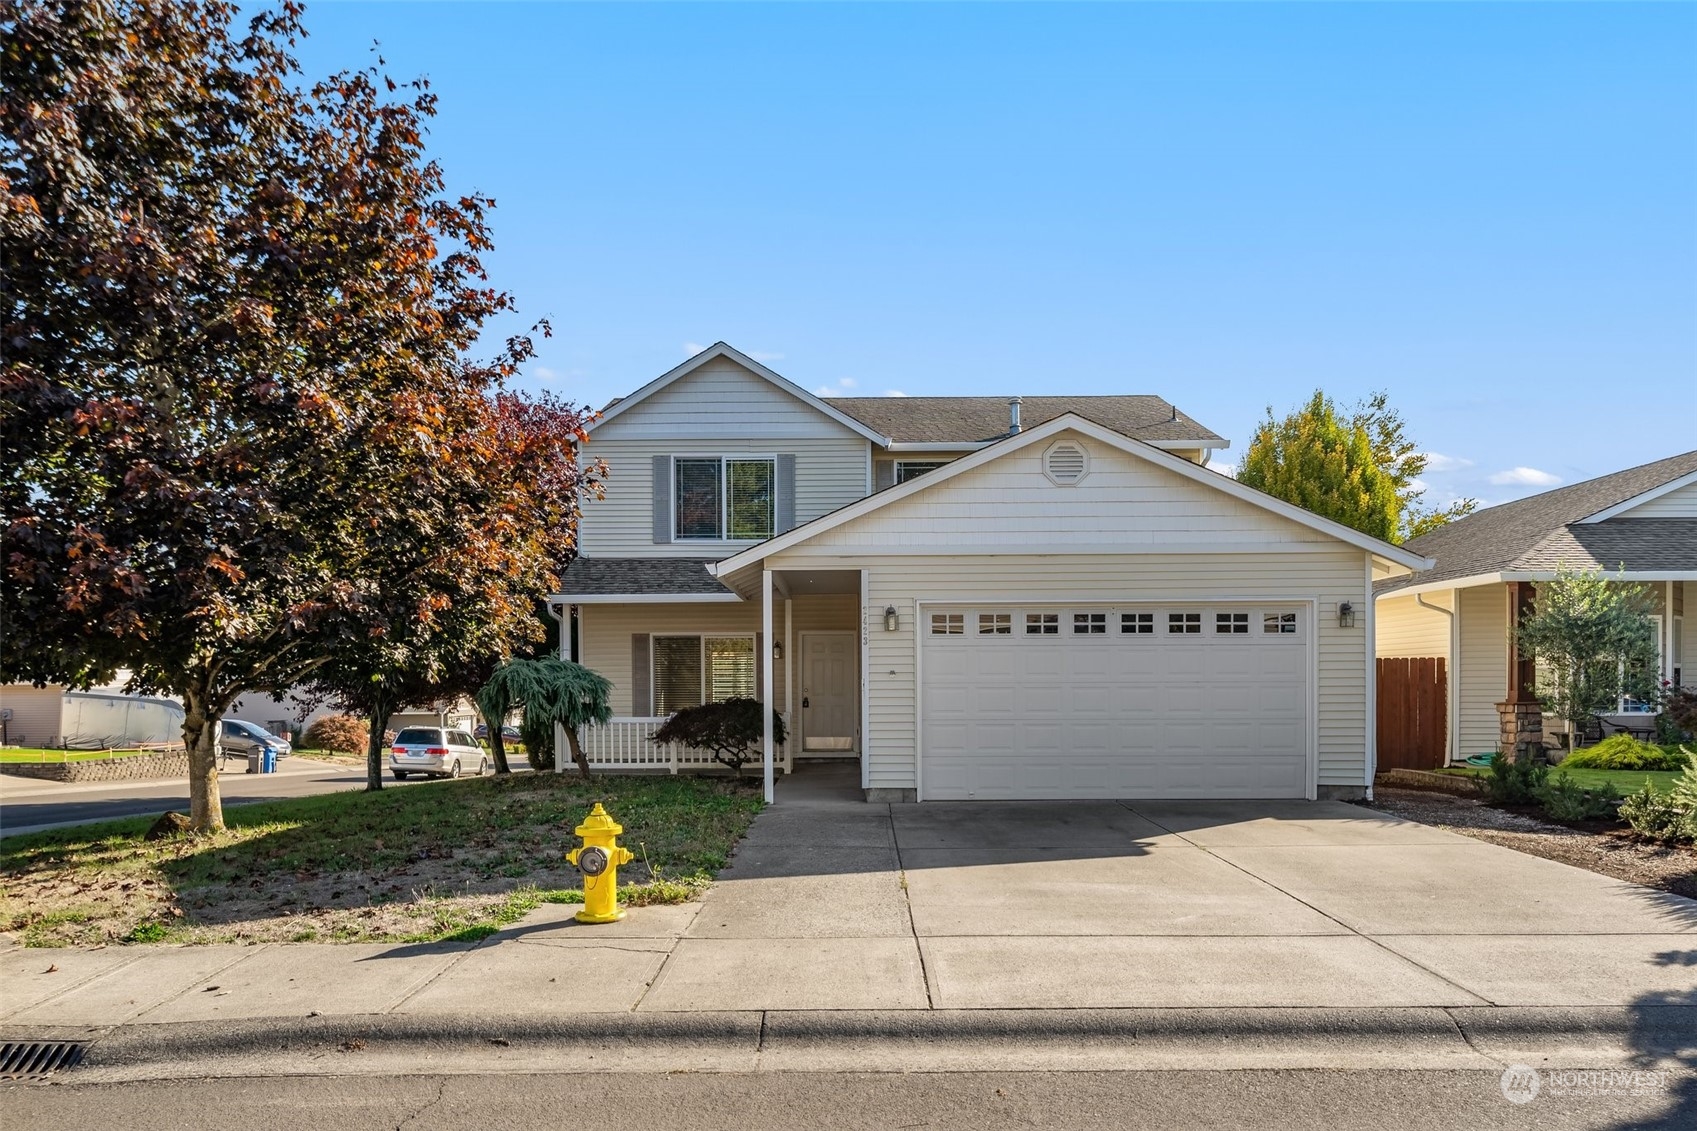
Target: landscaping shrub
x=1657 y=816
x=1567 y=800
x=1623 y=752
x=730 y=729
x=344 y=733
x=1680 y=709
x=1515 y=783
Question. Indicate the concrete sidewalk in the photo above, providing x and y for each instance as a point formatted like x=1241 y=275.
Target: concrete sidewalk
x=838 y=913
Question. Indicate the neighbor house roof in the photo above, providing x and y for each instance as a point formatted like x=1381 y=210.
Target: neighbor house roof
x=678 y=579
x=1535 y=534
x=982 y=420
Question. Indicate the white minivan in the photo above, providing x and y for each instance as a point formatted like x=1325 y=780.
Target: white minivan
x=436 y=752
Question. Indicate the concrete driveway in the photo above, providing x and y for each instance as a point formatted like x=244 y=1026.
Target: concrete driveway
x=832 y=903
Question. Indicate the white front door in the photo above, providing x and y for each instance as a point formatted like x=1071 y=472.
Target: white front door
x=830 y=700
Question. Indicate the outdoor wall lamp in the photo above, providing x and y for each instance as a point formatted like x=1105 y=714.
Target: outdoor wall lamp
x=1346 y=615
x=777 y=649
x=891 y=621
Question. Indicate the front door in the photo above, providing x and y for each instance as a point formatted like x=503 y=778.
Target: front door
x=830 y=706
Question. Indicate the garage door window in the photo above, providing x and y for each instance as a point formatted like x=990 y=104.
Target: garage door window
x=948 y=624
x=1184 y=624
x=1231 y=624
x=1278 y=624
x=995 y=624
x=1137 y=624
x=1042 y=624
x=1090 y=624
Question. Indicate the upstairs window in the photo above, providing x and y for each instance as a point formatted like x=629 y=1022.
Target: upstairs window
x=912 y=469
x=723 y=498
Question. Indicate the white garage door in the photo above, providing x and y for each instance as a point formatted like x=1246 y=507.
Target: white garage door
x=1099 y=701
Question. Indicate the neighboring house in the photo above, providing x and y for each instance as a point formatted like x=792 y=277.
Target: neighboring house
x=1048 y=599
x=1641 y=523
x=100 y=718
x=281 y=714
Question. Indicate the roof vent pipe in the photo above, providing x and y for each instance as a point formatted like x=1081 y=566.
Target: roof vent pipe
x=1013 y=417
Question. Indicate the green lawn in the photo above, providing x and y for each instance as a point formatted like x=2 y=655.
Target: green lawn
x=1626 y=781
x=37 y=754
x=416 y=863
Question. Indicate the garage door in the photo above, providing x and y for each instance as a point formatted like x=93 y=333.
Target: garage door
x=1109 y=701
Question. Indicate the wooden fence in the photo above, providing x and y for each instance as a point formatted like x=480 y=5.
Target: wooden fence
x=1413 y=713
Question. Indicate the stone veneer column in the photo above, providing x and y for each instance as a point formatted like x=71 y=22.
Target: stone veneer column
x=1522 y=730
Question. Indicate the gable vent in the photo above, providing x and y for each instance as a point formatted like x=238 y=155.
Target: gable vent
x=1065 y=463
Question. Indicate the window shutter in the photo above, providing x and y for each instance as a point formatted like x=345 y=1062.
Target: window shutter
x=641 y=689
x=884 y=474
x=759 y=667
x=662 y=499
x=783 y=512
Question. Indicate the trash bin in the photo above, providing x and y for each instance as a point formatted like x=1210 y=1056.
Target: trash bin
x=253 y=762
x=268 y=764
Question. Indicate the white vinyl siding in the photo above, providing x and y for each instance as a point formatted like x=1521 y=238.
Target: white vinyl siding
x=1681 y=502
x=1403 y=627
x=829 y=473
x=1483 y=669
x=904 y=579
x=1011 y=501
x=606 y=631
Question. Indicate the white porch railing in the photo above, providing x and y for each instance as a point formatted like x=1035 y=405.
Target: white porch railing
x=627 y=743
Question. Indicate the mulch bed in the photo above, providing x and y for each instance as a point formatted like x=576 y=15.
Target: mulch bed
x=1611 y=851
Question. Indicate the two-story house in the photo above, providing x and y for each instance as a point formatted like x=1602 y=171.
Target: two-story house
x=1051 y=597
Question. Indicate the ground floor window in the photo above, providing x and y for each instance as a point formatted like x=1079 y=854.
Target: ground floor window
x=692 y=670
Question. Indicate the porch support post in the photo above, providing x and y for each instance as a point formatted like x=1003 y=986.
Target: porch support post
x=766 y=669
x=1522 y=670
x=1667 y=636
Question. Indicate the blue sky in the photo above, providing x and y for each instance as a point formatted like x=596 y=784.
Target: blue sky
x=1489 y=211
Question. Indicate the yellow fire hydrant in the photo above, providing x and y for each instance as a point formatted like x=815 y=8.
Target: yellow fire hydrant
x=598 y=858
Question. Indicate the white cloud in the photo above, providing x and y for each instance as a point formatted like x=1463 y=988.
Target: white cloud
x=693 y=348
x=1437 y=461
x=1227 y=469
x=1524 y=477
x=894 y=393
x=842 y=388
x=543 y=373
x=1417 y=485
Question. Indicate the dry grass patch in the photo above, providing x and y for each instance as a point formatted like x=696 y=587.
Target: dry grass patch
x=438 y=860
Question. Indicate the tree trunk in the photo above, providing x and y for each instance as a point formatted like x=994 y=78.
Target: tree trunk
x=200 y=738
x=378 y=721
x=497 y=745
x=578 y=756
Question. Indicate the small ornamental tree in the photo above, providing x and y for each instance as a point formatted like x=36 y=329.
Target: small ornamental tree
x=1594 y=642
x=1355 y=466
x=730 y=728
x=549 y=692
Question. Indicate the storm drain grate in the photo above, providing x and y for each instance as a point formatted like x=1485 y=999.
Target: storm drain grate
x=23 y=1060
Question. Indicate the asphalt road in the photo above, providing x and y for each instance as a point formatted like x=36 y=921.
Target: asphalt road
x=27 y=804
x=1264 y=1100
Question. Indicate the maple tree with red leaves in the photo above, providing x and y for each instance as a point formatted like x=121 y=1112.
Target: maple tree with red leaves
x=242 y=412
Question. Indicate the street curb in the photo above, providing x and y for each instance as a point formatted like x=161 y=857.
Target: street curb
x=915 y=1040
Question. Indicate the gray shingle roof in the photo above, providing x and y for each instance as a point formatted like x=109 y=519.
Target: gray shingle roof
x=1534 y=533
x=624 y=577
x=978 y=420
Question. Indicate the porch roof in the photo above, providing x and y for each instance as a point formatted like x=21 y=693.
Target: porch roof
x=611 y=580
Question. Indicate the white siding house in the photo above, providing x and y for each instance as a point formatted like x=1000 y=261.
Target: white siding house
x=1060 y=611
